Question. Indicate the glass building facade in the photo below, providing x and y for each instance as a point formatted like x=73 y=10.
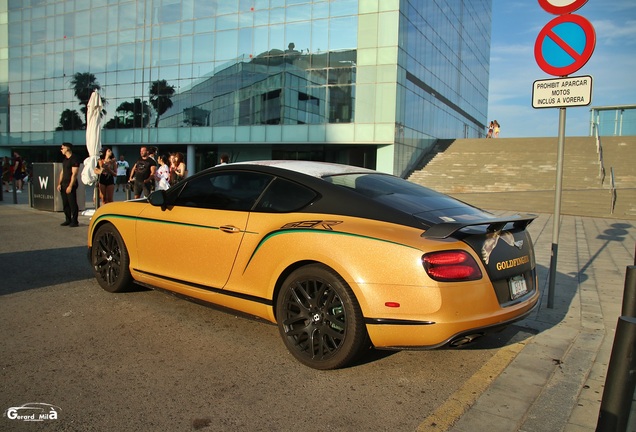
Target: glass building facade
x=372 y=83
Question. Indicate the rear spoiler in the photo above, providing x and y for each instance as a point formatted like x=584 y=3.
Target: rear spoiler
x=444 y=230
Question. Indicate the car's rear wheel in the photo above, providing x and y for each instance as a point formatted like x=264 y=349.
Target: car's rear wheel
x=110 y=261
x=319 y=318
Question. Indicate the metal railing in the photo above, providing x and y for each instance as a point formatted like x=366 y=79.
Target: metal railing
x=612 y=191
x=599 y=151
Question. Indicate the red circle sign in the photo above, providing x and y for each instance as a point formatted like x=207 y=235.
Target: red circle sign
x=560 y=7
x=564 y=45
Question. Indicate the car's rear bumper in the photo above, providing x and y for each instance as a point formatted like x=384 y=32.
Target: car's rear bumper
x=430 y=335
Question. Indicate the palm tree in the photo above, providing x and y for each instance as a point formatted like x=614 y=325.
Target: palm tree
x=84 y=84
x=134 y=114
x=70 y=120
x=160 y=97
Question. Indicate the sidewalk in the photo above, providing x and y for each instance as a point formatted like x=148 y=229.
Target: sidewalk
x=554 y=379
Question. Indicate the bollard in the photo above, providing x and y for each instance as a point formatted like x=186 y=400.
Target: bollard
x=629 y=294
x=30 y=193
x=620 y=382
x=15 y=193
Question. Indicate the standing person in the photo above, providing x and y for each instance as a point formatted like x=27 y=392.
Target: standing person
x=496 y=130
x=18 y=172
x=68 y=185
x=225 y=159
x=122 y=173
x=162 y=173
x=173 y=174
x=107 y=170
x=491 y=127
x=142 y=173
x=25 y=171
x=178 y=168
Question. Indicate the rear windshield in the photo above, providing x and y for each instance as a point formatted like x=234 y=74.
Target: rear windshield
x=377 y=185
x=405 y=196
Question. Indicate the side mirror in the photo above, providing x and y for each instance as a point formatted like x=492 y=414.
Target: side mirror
x=158 y=198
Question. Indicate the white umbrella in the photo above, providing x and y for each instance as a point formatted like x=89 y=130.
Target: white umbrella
x=93 y=140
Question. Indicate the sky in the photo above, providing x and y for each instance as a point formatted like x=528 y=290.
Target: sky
x=513 y=68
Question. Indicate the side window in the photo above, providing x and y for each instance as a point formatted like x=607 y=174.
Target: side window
x=237 y=190
x=285 y=196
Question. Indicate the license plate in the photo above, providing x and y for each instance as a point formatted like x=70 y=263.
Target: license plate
x=518 y=287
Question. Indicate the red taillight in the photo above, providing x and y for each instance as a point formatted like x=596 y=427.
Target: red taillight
x=450 y=266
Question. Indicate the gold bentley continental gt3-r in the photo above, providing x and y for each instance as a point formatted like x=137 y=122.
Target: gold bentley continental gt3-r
x=341 y=258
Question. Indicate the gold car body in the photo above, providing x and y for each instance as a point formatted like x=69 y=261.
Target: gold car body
x=238 y=259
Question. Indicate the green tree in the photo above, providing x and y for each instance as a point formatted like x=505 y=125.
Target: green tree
x=161 y=97
x=70 y=120
x=134 y=114
x=84 y=84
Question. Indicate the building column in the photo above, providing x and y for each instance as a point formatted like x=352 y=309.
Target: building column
x=190 y=159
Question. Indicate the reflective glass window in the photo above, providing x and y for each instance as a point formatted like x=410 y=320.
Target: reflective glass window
x=344 y=7
x=227 y=22
x=276 y=16
x=185 y=51
x=204 y=25
x=226 y=47
x=221 y=191
x=99 y=20
x=298 y=13
x=261 y=40
x=343 y=33
x=285 y=196
x=225 y=7
x=203 y=47
x=245 y=41
x=297 y=34
x=127 y=16
x=277 y=37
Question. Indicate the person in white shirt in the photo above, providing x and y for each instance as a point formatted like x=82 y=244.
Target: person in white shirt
x=122 y=173
x=162 y=173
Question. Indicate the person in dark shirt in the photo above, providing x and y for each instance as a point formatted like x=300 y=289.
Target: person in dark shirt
x=68 y=185
x=143 y=173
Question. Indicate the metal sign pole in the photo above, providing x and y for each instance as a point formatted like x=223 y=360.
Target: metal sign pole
x=557 y=208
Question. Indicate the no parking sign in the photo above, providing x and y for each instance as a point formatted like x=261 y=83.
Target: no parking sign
x=567 y=42
x=563 y=46
x=560 y=7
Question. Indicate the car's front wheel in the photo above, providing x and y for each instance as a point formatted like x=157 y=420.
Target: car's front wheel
x=110 y=261
x=319 y=318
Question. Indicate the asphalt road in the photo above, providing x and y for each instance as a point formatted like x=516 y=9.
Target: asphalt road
x=146 y=361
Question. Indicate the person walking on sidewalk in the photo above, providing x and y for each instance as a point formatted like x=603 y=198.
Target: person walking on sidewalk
x=68 y=185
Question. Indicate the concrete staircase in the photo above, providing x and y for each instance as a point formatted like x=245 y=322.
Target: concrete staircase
x=520 y=174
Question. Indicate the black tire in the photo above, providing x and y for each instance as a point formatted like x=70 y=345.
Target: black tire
x=110 y=260
x=319 y=318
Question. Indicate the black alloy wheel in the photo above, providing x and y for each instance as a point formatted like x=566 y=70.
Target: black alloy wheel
x=319 y=318
x=110 y=260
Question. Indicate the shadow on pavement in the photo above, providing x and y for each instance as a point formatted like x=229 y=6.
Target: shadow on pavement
x=43 y=268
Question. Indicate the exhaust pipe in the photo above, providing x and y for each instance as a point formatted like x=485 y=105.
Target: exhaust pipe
x=466 y=339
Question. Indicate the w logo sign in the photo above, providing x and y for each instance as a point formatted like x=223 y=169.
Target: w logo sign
x=44 y=181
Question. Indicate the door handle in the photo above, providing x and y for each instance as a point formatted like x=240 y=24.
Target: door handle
x=230 y=229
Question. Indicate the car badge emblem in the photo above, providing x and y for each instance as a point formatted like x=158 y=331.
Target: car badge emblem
x=491 y=242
